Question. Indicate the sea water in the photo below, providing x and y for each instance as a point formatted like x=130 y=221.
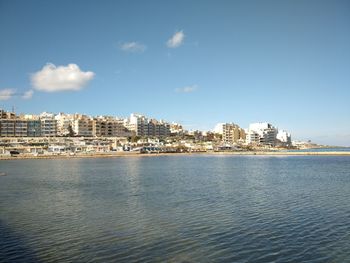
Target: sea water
x=191 y=208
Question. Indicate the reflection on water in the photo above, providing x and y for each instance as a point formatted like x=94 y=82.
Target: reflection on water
x=176 y=209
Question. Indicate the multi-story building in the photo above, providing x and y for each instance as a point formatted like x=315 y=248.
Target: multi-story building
x=158 y=128
x=252 y=137
x=21 y=128
x=219 y=128
x=284 y=137
x=64 y=123
x=232 y=133
x=34 y=128
x=121 y=130
x=83 y=126
x=33 y=125
x=7 y=115
x=51 y=125
x=13 y=128
x=7 y=127
x=143 y=126
x=12 y=125
x=176 y=128
x=107 y=126
x=48 y=125
x=139 y=124
x=262 y=133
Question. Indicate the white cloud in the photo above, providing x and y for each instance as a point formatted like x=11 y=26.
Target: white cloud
x=187 y=89
x=133 y=47
x=7 y=94
x=176 y=40
x=61 y=78
x=28 y=94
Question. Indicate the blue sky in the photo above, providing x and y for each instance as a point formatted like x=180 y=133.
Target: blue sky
x=285 y=62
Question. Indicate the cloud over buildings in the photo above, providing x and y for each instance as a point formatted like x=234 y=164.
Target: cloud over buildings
x=53 y=78
x=6 y=94
x=176 y=40
x=187 y=89
x=132 y=47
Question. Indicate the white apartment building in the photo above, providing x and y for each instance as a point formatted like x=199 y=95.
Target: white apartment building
x=284 y=137
x=64 y=123
x=252 y=137
x=48 y=124
x=142 y=126
x=262 y=133
x=138 y=123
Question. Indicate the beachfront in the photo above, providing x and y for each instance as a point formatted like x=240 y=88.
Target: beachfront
x=154 y=154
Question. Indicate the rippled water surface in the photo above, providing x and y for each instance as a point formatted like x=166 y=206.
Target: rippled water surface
x=176 y=209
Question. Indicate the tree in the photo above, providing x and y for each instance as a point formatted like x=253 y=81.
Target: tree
x=70 y=131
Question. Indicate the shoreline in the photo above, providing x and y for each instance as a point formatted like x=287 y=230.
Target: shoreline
x=136 y=154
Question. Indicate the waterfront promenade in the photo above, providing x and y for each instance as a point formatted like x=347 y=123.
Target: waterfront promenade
x=137 y=154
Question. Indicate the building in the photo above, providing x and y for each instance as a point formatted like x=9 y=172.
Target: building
x=145 y=127
x=83 y=126
x=13 y=128
x=158 y=128
x=7 y=127
x=7 y=115
x=64 y=124
x=34 y=128
x=48 y=125
x=19 y=126
x=176 y=128
x=284 y=137
x=252 y=137
x=262 y=133
x=33 y=125
x=232 y=133
x=107 y=126
x=139 y=124
x=219 y=128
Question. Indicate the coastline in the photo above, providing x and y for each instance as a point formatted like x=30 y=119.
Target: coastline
x=136 y=154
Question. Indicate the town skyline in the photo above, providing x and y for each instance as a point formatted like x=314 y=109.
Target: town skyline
x=198 y=65
x=63 y=124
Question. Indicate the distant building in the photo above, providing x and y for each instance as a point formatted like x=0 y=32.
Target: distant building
x=64 y=123
x=34 y=128
x=7 y=115
x=48 y=124
x=14 y=128
x=12 y=125
x=284 y=137
x=83 y=126
x=262 y=133
x=107 y=126
x=176 y=128
x=158 y=128
x=139 y=124
x=232 y=133
x=21 y=128
x=142 y=126
x=7 y=127
x=219 y=128
x=252 y=137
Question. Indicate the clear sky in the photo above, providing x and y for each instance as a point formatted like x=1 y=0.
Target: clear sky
x=193 y=62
